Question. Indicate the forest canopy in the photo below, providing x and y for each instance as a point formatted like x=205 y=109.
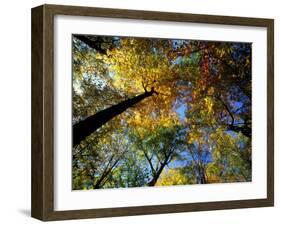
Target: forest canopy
x=160 y=112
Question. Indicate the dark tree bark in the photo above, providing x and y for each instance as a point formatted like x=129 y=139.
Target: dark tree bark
x=157 y=173
x=89 y=125
x=201 y=175
x=96 y=45
x=106 y=172
x=156 y=176
x=245 y=129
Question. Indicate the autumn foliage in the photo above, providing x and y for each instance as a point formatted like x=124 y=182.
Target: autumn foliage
x=155 y=112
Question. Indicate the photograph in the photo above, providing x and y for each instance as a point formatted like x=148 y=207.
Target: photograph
x=150 y=112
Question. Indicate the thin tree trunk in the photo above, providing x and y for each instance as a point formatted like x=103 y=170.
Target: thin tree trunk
x=89 y=125
x=202 y=176
x=105 y=174
x=156 y=176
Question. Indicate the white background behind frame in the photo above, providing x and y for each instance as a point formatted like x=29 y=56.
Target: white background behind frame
x=65 y=199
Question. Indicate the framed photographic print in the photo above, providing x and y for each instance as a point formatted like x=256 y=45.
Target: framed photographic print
x=141 y=112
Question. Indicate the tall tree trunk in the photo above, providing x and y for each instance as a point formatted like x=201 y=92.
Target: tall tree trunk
x=201 y=175
x=89 y=125
x=156 y=176
x=106 y=172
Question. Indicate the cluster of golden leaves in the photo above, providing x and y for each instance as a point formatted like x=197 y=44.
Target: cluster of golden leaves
x=136 y=70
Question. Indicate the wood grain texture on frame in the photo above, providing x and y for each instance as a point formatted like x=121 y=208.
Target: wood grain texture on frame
x=42 y=203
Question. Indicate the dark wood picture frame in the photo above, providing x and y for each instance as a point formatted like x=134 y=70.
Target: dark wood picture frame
x=42 y=203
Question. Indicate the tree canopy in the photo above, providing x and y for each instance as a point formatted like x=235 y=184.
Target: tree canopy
x=157 y=112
